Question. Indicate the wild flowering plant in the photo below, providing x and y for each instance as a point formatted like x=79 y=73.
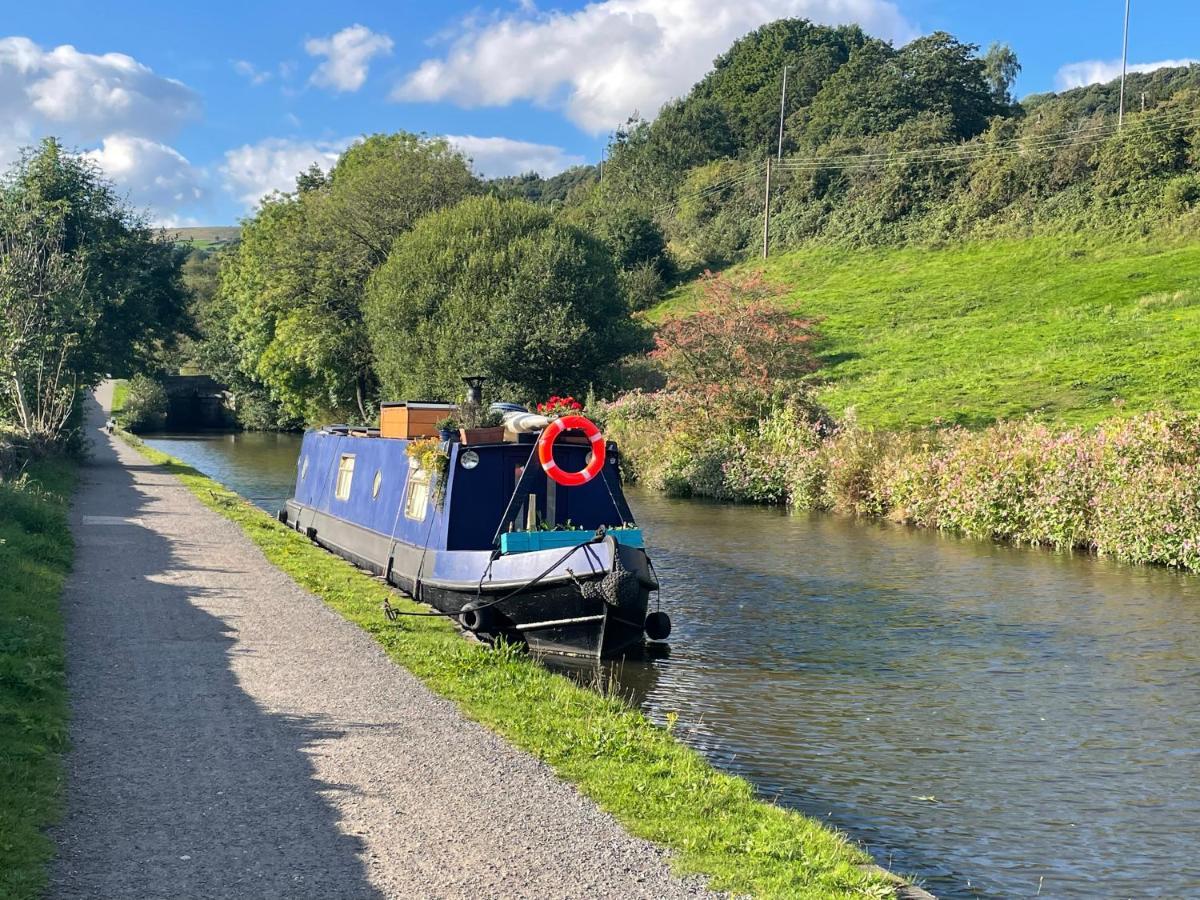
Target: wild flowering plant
x=1129 y=489
x=738 y=347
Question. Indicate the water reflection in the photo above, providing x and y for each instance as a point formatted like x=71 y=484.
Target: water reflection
x=259 y=465
x=992 y=719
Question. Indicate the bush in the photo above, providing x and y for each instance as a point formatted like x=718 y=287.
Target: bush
x=642 y=285
x=1181 y=194
x=1127 y=489
x=499 y=289
x=146 y=405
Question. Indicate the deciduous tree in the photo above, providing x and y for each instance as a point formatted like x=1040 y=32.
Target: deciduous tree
x=497 y=288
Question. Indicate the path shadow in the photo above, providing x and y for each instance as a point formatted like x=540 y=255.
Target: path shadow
x=179 y=784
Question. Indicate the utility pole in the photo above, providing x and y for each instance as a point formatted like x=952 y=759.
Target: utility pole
x=782 y=109
x=1124 y=66
x=767 y=212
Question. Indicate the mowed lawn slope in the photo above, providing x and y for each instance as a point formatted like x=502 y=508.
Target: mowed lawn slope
x=1052 y=327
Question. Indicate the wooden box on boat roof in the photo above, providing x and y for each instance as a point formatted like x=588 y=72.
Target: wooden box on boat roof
x=412 y=418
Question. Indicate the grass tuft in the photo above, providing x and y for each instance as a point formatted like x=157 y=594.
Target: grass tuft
x=654 y=785
x=36 y=551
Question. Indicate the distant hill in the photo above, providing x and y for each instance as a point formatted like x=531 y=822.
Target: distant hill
x=206 y=237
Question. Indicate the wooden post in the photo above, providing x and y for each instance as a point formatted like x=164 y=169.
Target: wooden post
x=767 y=212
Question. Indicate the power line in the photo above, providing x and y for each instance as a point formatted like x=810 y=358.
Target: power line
x=966 y=152
x=972 y=152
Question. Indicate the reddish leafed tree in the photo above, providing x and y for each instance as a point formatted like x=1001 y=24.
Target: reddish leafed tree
x=739 y=339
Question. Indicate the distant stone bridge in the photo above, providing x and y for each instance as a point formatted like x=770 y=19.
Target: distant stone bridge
x=198 y=402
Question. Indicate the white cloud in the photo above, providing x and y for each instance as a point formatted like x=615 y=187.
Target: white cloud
x=155 y=175
x=255 y=170
x=1101 y=71
x=108 y=102
x=496 y=156
x=82 y=97
x=347 y=55
x=603 y=62
x=250 y=72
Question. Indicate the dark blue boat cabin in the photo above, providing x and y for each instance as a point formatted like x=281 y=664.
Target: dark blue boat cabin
x=491 y=540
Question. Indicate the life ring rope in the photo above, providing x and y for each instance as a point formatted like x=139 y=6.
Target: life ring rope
x=546 y=450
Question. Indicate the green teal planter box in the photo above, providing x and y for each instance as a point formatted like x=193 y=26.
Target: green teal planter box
x=527 y=541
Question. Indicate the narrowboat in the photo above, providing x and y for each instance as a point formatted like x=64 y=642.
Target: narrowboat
x=520 y=533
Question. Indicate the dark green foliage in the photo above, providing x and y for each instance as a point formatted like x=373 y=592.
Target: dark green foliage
x=649 y=160
x=287 y=324
x=536 y=189
x=642 y=285
x=1158 y=86
x=133 y=276
x=1182 y=195
x=86 y=288
x=880 y=88
x=497 y=287
x=145 y=405
x=35 y=558
x=745 y=81
x=1145 y=150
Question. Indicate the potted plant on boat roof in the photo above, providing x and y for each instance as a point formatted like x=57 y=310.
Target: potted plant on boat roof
x=483 y=428
x=558 y=406
x=448 y=428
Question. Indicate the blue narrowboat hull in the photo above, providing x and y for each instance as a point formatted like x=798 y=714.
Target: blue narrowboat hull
x=589 y=598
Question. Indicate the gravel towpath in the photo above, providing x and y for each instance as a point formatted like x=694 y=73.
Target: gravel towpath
x=232 y=737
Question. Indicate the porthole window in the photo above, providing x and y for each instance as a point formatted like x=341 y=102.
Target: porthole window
x=376 y=484
x=345 y=477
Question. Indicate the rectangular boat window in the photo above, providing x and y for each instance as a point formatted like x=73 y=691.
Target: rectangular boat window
x=416 y=500
x=345 y=477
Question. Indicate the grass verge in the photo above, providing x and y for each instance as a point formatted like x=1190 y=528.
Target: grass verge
x=120 y=397
x=36 y=551
x=654 y=785
x=1062 y=328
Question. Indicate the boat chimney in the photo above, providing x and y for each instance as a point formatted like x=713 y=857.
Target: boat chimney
x=475 y=389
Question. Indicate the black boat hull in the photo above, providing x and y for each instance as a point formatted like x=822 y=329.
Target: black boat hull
x=558 y=615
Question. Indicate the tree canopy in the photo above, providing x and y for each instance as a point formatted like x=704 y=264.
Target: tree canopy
x=86 y=288
x=497 y=288
x=294 y=288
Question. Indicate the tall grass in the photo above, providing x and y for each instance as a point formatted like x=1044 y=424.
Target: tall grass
x=35 y=558
x=1127 y=488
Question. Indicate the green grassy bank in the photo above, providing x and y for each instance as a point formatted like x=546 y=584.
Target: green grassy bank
x=120 y=396
x=35 y=558
x=658 y=788
x=1061 y=328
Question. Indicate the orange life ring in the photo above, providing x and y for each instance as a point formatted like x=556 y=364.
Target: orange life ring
x=546 y=450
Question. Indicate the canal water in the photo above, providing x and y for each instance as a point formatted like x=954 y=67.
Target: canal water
x=999 y=722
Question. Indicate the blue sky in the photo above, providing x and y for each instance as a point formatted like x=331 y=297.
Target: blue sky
x=196 y=110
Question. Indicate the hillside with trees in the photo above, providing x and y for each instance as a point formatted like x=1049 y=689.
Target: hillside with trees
x=370 y=281
x=885 y=146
